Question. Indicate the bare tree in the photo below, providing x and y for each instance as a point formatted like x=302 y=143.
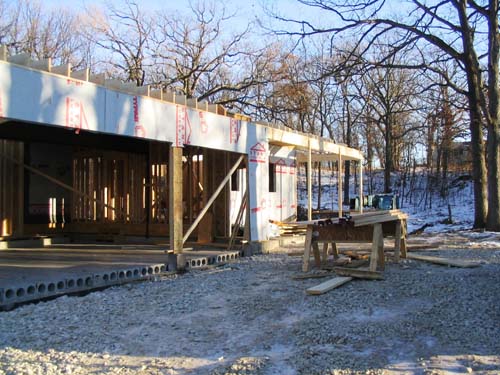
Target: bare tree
x=391 y=96
x=6 y=21
x=459 y=29
x=29 y=28
x=198 y=57
x=123 y=32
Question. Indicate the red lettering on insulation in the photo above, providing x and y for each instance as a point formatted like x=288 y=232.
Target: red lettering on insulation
x=75 y=115
x=258 y=153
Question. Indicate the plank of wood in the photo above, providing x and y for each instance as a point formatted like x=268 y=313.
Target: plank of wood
x=312 y=276
x=358 y=273
x=328 y=285
x=341 y=262
x=378 y=219
x=420 y=247
x=367 y=214
x=356 y=254
x=357 y=263
x=444 y=261
x=295 y=254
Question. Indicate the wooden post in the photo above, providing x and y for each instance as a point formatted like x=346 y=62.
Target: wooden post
x=175 y=199
x=19 y=225
x=309 y=183
x=339 y=185
x=377 y=255
x=147 y=190
x=205 y=229
x=246 y=232
x=360 y=186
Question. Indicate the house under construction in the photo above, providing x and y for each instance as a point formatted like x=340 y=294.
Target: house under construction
x=84 y=156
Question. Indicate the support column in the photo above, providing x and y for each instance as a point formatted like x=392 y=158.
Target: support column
x=339 y=184
x=148 y=190
x=309 y=183
x=175 y=200
x=361 y=199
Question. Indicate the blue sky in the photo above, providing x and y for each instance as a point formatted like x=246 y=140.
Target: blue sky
x=247 y=9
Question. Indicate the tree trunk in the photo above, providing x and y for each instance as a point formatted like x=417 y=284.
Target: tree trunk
x=478 y=165
x=493 y=141
x=473 y=72
x=388 y=157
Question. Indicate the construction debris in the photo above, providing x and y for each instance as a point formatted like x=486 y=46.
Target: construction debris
x=358 y=273
x=328 y=285
x=290 y=229
x=444 y=261
x=311 y=276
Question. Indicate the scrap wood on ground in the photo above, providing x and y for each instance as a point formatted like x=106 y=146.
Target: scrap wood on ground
x=328 y=285
x=444 y=261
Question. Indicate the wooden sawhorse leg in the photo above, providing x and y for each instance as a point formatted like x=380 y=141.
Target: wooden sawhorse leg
x=335 y=250
x=397 y=241
x=307 y=251
x=400 y=240
x=377 y=256
x=324 y=254
x=403 y=239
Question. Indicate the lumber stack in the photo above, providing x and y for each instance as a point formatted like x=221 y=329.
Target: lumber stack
x=298 y=227
x=376 y=217
x=291 y=229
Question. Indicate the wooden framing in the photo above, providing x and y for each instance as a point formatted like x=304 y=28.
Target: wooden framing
x=119 y=185
x=109 y=186
x=213 y=198
x=175 y=199
x=11 y=191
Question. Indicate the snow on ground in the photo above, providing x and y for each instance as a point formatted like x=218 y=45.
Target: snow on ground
x=252 y=317
x=432 y=211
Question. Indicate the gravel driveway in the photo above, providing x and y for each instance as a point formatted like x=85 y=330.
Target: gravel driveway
x=251 y=317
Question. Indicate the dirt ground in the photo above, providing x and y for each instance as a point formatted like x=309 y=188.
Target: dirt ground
x=252 y=317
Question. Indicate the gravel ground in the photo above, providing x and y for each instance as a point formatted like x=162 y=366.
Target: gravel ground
x=251 y=317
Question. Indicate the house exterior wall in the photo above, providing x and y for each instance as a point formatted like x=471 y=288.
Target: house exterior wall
x=34 y=96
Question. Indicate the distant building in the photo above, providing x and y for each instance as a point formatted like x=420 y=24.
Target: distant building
x=460 y=159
